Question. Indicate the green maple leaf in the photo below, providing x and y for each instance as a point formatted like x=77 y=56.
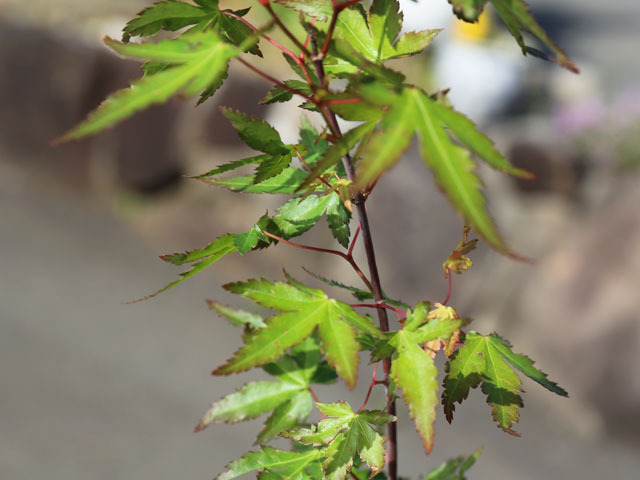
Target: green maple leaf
x=338 y=218
x=280 y=94
x=286 y=416
x=346 y=434
x=315 y=144
x=226 y=167
x=356 y=292
x=468 y=10
x=489 y=361
x=271 y=167
x=288 y=182
x=199 y=259
x=250 y=401
x=298 y=215
x=239 y=318
x=292 y=219
x=455 y=468
x=411 y=110
x=422 y=324
x=172 y=15
x=375 y=35
x=517 y=18
x=319 y=9
x=336 y=152
x=415 y=372
x=303 y=309
x=289 y=397
x=286 y=464
x=256 y=133
x=198 y=60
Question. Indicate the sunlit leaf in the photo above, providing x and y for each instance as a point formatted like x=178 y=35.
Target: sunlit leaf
x=237 y=317
x=517 y=18
x=303 y=309
x=249 y=402
x=346 y=434
x=483 y=361
x=319 y=9
x=286 y=416
x=271 y=167
x=287 y=181
x=415 y=372
x=288 y=464
x=454 y=469
x=299 y=215
x=281 y=94
x=337 y=151
x=256 y=133
x=200 y=260
x=338 y=218
x=169 y=15
x=199 y=58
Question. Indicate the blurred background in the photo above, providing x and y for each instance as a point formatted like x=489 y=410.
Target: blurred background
x=93 y=388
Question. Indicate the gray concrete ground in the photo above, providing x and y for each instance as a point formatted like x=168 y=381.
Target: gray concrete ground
x=92 y=388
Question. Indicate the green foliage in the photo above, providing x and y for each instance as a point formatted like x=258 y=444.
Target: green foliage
x=197 y=60
x=412 y=110
x=311 y=338
x=303 y=309
x=516 y=16
x=489 y=361
x=375 y=35
x=345 y=434
x=454 y=469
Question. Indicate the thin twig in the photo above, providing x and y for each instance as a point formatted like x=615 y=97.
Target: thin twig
x=380 y=305
x=271 y=79
x=317 y=400
x=284 y=49
x=348 y=258
x=449 y=275
x=359 y=201
x=374 y=382
x=353 y=241
x=342 y=101
x=284 y=28
x=308 y=167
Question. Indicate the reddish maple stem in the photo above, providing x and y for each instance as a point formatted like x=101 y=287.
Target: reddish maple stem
x=353 y=242
x=337 y=8
x=284 y=28
x=308 y=167
x=317 y=400
x=332 y=27
x=284 y=49
x=374 y=382
x=359 y=204
x=449 y=275
x=271 y=79
x=303 y=64
x=380 y=305
x=348 y=258
x=341 y=101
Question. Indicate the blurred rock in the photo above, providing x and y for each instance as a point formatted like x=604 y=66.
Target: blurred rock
x=556 y=169
x=48 y=84
x=579 y=310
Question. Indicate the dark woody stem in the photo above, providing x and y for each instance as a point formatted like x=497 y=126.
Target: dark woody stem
x=359 y=203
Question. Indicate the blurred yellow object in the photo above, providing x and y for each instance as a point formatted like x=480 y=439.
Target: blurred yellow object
x=473 y=32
